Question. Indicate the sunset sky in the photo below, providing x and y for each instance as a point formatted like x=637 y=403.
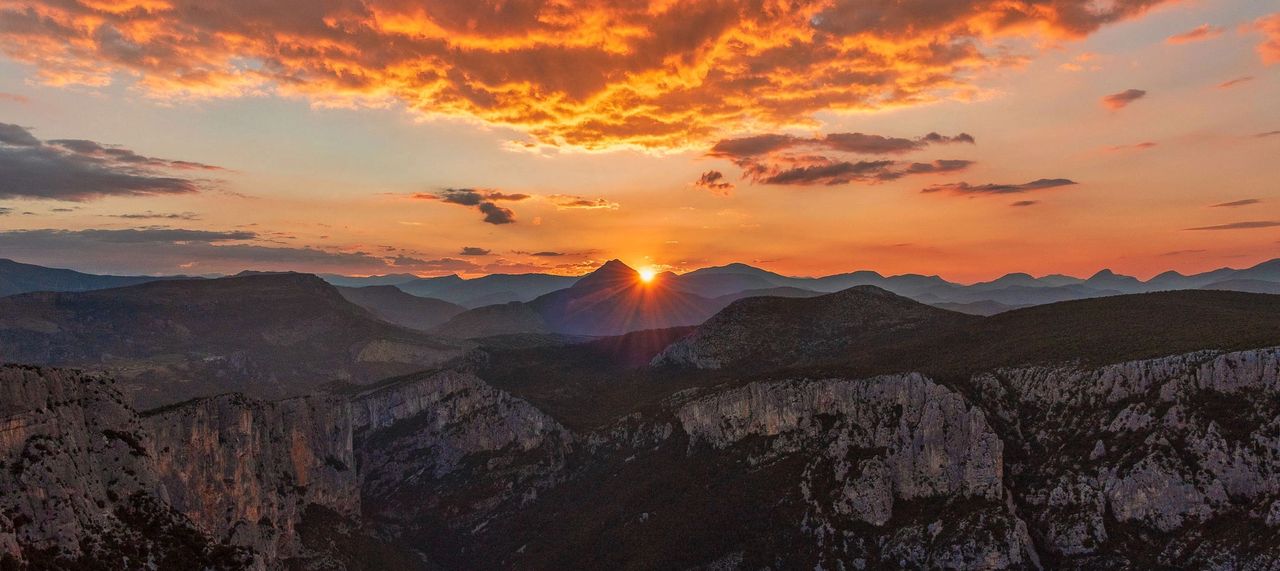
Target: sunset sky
x=964 y=138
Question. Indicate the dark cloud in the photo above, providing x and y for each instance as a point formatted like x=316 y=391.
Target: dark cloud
x=1022 y=203
x=939 y=166
x=970 y=189
x=442 y=264
x=174 y=250
x=125 y=156
x=1122 y=99
x=790 y=160
x=5 y=210
x=84 y=170
x=474 y=251
x=828 y=173
x=574 y=202
x=1241 y=225
x=1235 y=203
x=546 y=254
x=856 y=143
x=753 y=145
x=494 y=214
x=157 y=235
x=713 y=181
x=149 y=215
x=471 y=196
x=17 y=136
x=1235 y=82
x=484 y=200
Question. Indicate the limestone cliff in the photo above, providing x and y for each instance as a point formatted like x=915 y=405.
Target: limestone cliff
x=78 y=483
x=216 y=483
x=1171 y=461
x=245 y=470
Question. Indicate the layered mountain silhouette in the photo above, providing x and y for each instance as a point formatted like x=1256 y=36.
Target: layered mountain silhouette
x=609 y=301
x=393 y=305
x=487 y=290
x=735 y=281
x=869 y=330
x=269 y=335
x=16 y=277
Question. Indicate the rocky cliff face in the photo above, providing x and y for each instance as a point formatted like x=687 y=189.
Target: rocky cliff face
x=426 y=439
x=244 y=470
x=79 y=486
x=1172 y=461
x=875 y=450
x=216 y=483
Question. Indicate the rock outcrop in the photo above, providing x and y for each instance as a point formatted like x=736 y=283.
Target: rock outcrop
x=78 y=484
x=214 y=483
x=877 y=449
x=245 y=470
x=1171 y=461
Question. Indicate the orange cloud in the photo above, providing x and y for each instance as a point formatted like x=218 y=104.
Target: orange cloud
x=1198 y=34
x=1269 y=49
x=587 y=73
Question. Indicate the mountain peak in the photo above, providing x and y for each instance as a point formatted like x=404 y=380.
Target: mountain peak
x=612 y=274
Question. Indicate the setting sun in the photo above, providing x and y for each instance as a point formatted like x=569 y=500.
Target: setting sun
x=647 y=275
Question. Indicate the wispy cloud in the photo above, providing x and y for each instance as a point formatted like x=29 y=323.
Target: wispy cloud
x=1249 y=225
x=1235 y=203
x=1134 y=147
x=1197 y=34
x=963 y=188
x=1234 y=82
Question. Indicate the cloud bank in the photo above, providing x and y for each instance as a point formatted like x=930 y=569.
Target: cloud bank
x=648 y=73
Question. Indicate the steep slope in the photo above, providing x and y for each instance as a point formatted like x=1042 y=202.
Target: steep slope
x=78 y=488
x=612 y=300
x=392 y=305
x=227 y=482
x=269 y=336
x=767 y=332
x=16 y=277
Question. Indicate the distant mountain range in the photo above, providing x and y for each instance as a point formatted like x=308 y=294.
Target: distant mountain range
x=685 y=297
